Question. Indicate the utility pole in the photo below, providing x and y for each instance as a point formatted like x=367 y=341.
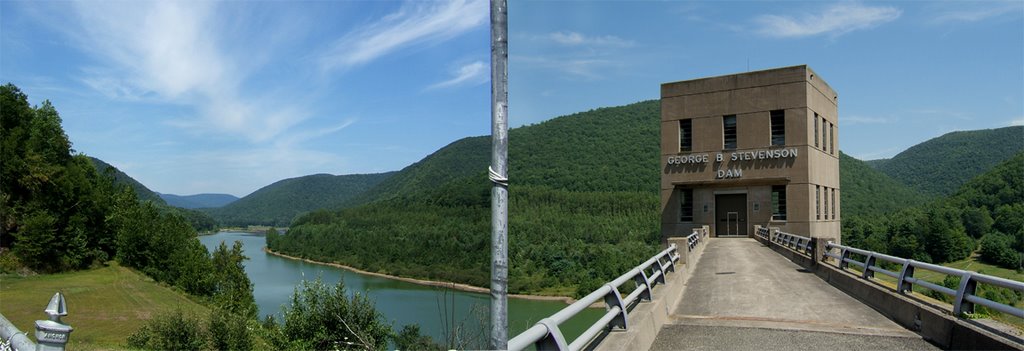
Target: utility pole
x=498 y=172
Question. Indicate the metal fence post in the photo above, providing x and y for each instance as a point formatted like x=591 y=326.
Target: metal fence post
x=967 y=287
x=53 y=334
x=868 y=263
x=902 y=284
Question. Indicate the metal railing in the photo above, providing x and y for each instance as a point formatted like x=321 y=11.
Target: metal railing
x=964 y=297
x=52 y=334
x=797 y=243
x=692 y=240
x=764 y=233
x=547 y=335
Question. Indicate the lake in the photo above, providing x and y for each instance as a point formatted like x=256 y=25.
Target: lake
x=436 y=310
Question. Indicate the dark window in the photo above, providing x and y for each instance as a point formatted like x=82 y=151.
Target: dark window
x=817 y=200
x=686 y=205
x=826 y=203
x=824 y=129
x=778 y=127
x=686 y=135
x=816 y=129
x=729 y=127
x=779 y=202
x=831 y=138
x=833 y=203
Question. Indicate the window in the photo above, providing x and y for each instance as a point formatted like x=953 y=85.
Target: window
x=815 y=129
x=831 y=138
x=826 y=203
x=686 y=205
x=824 y=128
x=778 y=120
x=817 y=200
x=686 y=135
x=729 y=128
x=833 y=203
x=779 y=202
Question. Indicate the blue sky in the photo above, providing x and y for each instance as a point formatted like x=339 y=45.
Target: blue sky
x=192 y=97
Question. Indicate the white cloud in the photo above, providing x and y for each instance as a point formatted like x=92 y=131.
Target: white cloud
x=473 y=73
x=837 y=19
x=577 y=39
x=175 y=52
x=986 y=11
x=1017 y=122
x=414 y=23
x=585 y=67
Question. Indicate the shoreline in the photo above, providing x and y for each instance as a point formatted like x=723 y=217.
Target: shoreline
x=456 y=286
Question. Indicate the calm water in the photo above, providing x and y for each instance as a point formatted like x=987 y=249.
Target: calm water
x=274 y=279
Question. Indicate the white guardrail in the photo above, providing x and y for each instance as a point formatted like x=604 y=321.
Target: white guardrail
x=964 y=297
x=546 y=335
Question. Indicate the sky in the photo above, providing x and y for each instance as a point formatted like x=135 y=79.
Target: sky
x=227 y=97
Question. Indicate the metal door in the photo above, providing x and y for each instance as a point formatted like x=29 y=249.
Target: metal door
x=731 y=215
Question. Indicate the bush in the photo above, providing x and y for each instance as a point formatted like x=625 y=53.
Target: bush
x=173 y=331
x=229 y=331
x=411 y=339
x=997 y=248
x=326 y=318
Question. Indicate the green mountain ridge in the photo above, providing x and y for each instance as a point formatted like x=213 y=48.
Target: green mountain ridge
x=198 y=200
x=939 y=166
x=141 y=191
x=583 y=206
x=279 y=203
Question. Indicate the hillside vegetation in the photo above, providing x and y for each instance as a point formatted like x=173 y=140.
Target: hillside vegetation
x=869 y=192
x=941 y=165
x=279 y=203
x=198 y=200
x=584 y=208
x=199 y=221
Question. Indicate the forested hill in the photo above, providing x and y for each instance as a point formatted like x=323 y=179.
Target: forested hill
x=277 y=204
x=199 y=200
x=941 y=165
x=868 y=191
x=141 y=191
x=605 y=149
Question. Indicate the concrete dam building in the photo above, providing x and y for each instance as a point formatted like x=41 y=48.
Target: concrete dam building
x=750 y=148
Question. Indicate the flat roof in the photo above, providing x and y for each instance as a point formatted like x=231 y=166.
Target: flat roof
x=773 y=76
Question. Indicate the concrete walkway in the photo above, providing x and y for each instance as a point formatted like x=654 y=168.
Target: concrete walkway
x=744 y=296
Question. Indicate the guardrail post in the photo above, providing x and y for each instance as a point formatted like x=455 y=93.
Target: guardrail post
x=868 y=263
x=53 y=334
x=844 y=254
x=967 y=287
x=642 y=280
x=554 y=339
x=614 y=299
x=902 y=285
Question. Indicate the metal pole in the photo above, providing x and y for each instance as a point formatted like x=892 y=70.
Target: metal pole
x=499 y=175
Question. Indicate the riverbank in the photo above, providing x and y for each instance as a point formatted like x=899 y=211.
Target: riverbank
x=434 y=283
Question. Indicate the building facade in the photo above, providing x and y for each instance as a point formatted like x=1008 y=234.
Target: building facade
x=750 y=148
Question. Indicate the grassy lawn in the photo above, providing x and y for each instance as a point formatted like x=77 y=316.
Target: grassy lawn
x=105 y=305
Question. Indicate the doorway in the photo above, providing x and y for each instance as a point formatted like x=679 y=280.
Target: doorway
x=731 y=215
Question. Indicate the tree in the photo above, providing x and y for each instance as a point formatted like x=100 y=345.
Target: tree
x=232 y=288
x=325 y=317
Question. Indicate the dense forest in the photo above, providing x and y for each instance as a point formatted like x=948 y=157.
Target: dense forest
x=584 y=208
x=941 y=165
x=986 y=212
x=869 y=192
x=279 y=203
x=198 y=200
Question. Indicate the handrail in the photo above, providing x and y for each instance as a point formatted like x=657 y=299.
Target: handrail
x=763 y=233
x=964 y=297
x=796 y=242
x=547 y=334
